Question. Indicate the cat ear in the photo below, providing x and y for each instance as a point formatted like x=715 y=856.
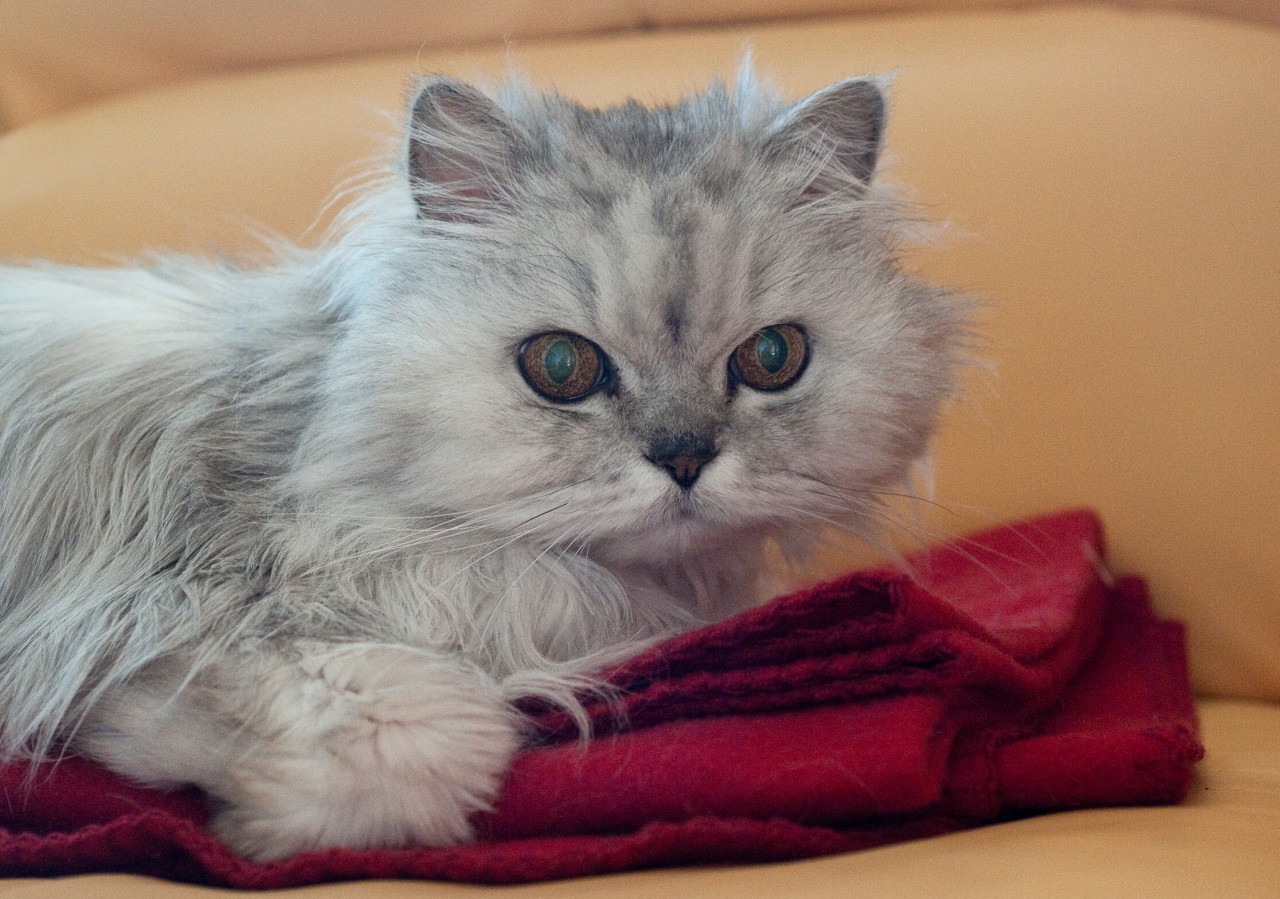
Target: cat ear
x=460 y=151
x=836 y=131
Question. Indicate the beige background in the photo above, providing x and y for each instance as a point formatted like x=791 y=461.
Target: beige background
x=1111 y=177
x=1110 y=193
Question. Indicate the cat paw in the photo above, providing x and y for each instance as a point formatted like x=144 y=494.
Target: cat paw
x=367 y=746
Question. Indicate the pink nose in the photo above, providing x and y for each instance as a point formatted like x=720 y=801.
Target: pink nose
x=685 y=469
x=683 y=457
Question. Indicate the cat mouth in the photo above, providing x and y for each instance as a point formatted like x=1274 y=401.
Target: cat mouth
x=688 y=504
x=685 y=507
x=696 y=516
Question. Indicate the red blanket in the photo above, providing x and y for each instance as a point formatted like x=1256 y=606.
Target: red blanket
x=1005 y=679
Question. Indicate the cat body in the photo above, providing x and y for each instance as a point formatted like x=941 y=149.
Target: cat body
x=301 y=534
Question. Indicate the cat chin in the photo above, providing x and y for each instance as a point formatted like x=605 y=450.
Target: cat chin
x=674 y=539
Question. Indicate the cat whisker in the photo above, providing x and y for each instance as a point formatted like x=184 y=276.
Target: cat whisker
x=431 y=516
x=498 y=545
x=922 y=535
x=499 y=606
x=477 y=521
x=868 y=501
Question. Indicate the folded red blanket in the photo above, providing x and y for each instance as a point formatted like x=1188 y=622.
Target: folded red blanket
x=1003 y=678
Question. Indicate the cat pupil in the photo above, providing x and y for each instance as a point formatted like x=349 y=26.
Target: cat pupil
x=560 y=360
x=771 y=350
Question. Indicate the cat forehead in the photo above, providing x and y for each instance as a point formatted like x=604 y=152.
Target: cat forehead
x=655 y=269
x=645 y=138
x=693 y=150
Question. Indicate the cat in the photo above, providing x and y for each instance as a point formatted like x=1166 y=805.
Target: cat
x=302 y=533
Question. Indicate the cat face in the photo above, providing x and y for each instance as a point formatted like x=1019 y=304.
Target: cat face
x=636 y=331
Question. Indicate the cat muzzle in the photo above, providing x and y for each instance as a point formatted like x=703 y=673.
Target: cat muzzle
x=682 y=456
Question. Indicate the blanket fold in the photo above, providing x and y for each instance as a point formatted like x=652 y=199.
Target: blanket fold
x=1006 y=675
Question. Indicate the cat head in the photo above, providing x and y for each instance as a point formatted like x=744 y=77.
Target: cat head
x=632 y=330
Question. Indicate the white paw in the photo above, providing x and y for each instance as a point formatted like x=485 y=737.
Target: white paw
x=367 y=745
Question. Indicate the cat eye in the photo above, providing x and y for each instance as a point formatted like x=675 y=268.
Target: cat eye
x=562 y=367
x=770 y=359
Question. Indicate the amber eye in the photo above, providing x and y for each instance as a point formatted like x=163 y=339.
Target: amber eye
x=563 y=367
x=770 y=359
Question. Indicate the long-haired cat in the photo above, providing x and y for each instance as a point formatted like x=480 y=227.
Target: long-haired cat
x=301 y=534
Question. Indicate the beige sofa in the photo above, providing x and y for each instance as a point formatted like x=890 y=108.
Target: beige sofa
x=1111 y=176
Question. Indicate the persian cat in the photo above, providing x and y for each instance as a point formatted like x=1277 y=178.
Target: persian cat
x=302 y=534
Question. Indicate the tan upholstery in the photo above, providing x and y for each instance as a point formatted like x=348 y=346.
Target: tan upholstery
x=57 y=54
x=1111 y=179
x=1220 y=844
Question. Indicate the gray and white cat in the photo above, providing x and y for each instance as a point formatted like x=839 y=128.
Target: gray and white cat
x=301 y=534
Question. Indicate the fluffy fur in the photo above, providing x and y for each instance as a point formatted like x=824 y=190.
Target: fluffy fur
x=301 y=534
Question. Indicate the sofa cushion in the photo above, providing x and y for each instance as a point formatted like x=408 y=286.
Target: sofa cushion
x=1221 y=842
x=1110 y=179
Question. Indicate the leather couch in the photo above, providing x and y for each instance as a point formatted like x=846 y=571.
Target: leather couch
x=1110 y=176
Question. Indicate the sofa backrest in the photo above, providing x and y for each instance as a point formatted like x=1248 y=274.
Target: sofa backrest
x=1111 y=180
x=58 y=54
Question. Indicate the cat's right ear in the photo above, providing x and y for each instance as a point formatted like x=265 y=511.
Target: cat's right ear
x=460 y=152
x=834 y=135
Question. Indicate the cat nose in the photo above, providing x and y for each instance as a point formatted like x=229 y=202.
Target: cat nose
x=683 y=456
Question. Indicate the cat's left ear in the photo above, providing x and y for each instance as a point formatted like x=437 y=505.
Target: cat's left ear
x=836 y=131
x=461 y=152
